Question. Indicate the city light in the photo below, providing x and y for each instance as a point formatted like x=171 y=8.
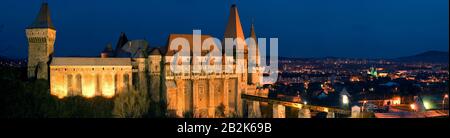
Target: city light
x=427 y=105
x=396 y=101
x=413 y=106
x=344 y=99
x=186 y=76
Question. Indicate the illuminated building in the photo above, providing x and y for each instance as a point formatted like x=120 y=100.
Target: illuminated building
x=89 y=77
x=135 y=65
x=373 y=72
x=41 y=36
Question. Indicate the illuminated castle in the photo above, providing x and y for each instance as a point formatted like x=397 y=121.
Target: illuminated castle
x=133 y=64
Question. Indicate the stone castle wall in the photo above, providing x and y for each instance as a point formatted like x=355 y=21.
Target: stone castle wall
x=89 y=81
x=40 y=51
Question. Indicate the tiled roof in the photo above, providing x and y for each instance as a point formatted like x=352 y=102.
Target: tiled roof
x=75 y=61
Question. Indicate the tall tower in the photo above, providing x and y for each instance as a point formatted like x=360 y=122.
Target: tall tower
x=41 y=36
x=255 y=75
x=234 y=31
x=154 y=71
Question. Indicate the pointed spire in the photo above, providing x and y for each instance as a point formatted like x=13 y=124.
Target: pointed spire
x=234 y=27
x=252 y=31
x=43 y=19
x=253 y=35
x=122 y=41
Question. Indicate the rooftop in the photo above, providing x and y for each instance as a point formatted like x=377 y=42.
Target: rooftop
x=189 y=38
x=43 y=19
x=81 y=61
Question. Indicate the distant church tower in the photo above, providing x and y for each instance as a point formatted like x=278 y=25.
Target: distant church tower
x=41 y=39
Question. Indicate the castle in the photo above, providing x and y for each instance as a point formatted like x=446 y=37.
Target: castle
x=133 y=64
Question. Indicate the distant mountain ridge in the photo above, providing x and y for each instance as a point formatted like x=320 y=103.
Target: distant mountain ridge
x=428 y=57
x=425 y=57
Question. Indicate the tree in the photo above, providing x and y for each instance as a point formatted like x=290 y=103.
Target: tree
x=131 y=104
x=220 y=110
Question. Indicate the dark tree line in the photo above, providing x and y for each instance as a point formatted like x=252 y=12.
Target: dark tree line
x=21 y=98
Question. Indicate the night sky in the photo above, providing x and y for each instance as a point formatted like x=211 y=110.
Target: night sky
x=305 y=28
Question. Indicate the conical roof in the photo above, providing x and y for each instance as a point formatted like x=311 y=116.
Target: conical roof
x=155 y=51
x=43 y=19
x=122 y=41
x=253 y=36
x=234 y=27
x=252 y=31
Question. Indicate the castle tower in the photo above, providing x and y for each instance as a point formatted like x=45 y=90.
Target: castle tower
x=234 y=27
x=41 y=39
x=154 y=70
x=254 y=58
x=234 y=30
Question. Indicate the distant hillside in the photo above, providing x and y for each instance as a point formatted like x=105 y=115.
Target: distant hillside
x=429 y=56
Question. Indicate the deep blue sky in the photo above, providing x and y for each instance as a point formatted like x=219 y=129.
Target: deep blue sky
x=305 y=28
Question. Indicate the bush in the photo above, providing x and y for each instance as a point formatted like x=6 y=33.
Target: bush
x=220 y=110
x=131 y=104
x=80 y=107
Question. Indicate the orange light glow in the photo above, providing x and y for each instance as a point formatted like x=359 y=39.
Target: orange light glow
x=108 y=90
x=88 y=89
x=396 y=100
x=58 y=87
x=60 y=91
x=413 y=106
